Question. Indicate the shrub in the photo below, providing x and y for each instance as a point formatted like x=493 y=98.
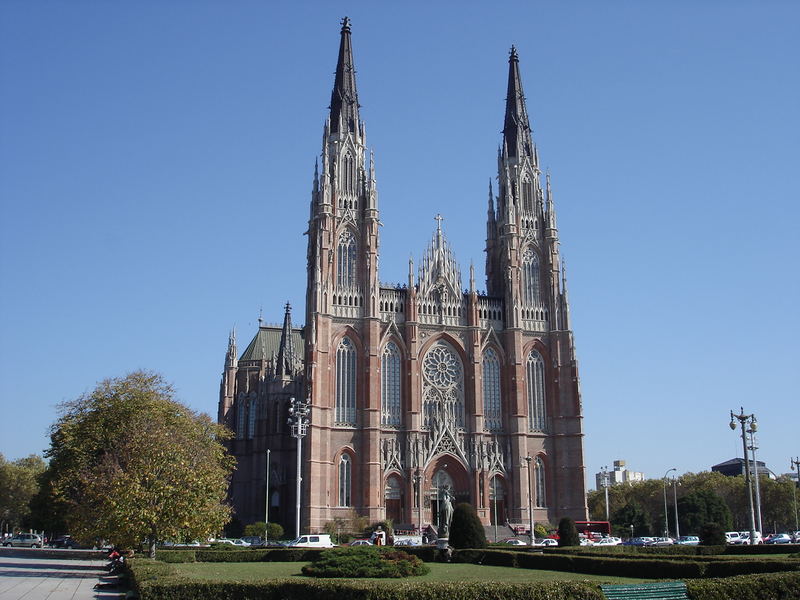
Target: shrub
x=175 y=556
x=771 y=586
x=568 y=533
x=364 y=561
x=466 y=530
x=712 y=534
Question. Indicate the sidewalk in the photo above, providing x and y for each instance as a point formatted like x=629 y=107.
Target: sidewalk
x=26 y=576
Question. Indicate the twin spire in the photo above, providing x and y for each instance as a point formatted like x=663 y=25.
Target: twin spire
x=517 y=141
x=344 y=98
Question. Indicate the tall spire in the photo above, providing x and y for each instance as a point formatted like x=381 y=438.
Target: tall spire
x=287 y=357
x=344 y=98
x=231 y=356
x=516 y=127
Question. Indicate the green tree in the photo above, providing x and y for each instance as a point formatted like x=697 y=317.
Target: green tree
x=701 y=507
x=631 y=514
x=466 y=530
x=132 y=463
x=259 y=528
x=712 y=534
x=568 y=533
x=19 y=482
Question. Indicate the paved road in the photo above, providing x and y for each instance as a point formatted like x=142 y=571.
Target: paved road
x=24 y=575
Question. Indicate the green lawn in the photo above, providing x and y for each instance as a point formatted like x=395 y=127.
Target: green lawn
x=439 y=572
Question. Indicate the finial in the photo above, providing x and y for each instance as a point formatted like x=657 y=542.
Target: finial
x=438 y=218
x=260 y=315
x=512 y=56
x=288 y=307
x=346 y=25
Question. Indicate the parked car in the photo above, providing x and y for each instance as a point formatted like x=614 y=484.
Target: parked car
x=64 y=541
x=320 y=540
x=361 y=542
x=254 y=540
x=688 y=540
x=779 y=538
x=514 y=542
x=639 y=541
x=733 y=537
x=662 y=541
x=545 y=542
x=608 y=541
x=24 y=540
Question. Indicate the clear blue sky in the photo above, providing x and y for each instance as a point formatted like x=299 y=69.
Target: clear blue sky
x=156 y=162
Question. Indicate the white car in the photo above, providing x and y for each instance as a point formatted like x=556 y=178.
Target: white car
x=29 y=540
x=514 y=542
x=317 y=540
x=609 y=541
x=688 y=540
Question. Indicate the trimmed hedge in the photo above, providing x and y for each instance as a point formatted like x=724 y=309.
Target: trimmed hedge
x=365 y=561
x=771 y=586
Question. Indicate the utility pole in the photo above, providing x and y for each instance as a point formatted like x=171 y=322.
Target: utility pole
x=266 y=502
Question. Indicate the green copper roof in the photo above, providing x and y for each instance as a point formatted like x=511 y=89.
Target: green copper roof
x=267 y=342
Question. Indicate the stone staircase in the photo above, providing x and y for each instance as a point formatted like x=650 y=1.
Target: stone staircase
x=503 y=532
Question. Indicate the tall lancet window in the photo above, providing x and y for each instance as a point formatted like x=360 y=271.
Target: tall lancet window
x=241 y=416
x=492 y=415
x=345 y=480
x=346 y=383
x=348 y=178
x=530 y=278
x=527 y=195
x=390 y=385
x=346 y=260
x=539 y=491
x=537 y=417
x=251 y=417
x=442 y=387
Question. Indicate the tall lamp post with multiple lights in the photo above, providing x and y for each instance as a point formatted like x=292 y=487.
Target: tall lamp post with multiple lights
x=675 y=500
x=529 y=460
x=418 y=484
x=266 y=507
x=795 y=464
x=666 y=513
x=744 y=420
x=751 y=431
x=298 y=421
x=604 y=475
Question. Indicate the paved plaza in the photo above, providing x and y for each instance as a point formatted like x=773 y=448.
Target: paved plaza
x=48 y=575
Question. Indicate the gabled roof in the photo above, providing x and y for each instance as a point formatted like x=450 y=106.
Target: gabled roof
x=267 y=342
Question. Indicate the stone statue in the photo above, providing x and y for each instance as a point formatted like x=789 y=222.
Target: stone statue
x=445 y=510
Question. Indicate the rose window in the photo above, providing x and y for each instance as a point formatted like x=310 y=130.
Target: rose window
x=442 y=367
x=442 y=392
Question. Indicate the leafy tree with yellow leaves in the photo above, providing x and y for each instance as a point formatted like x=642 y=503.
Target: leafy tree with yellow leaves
x=132 y=464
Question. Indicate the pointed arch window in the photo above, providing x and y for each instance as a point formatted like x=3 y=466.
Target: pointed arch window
x=251 y=417
x=540 y=493
x=346 y=383
x=346 y=260
x=348 y=179
x=492 y=415
x=531 y=295
x=527 y=195
x=536 y=399
x=442 y=387
x=391 y=367
x=345 y=480
x=241 y=416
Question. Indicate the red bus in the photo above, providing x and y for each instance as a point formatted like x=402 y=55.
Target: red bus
x=593 y=529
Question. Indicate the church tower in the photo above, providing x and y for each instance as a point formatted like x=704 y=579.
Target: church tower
x=423 y=390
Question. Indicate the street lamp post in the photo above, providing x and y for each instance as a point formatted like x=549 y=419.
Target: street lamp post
x=605 y=487
x=675 y=500
x=298 y=422
x=795 y=464
x=744 y=420
x=493 y=500
x=529 y=459
x=266 y=504
x=666 y=514
x=418 y=483
x=752 y=432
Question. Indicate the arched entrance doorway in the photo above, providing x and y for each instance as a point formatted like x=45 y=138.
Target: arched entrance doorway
x=446 y=471
x=393 y=497
x=497 y=501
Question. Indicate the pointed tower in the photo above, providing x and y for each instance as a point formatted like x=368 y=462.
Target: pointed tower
x=287 y=363
x=342 y=307
x=228 y=383
x=523 y=270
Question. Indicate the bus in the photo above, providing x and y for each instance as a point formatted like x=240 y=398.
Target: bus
x=594 y=530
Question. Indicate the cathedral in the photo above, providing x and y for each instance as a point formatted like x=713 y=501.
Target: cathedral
x=420 y=387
